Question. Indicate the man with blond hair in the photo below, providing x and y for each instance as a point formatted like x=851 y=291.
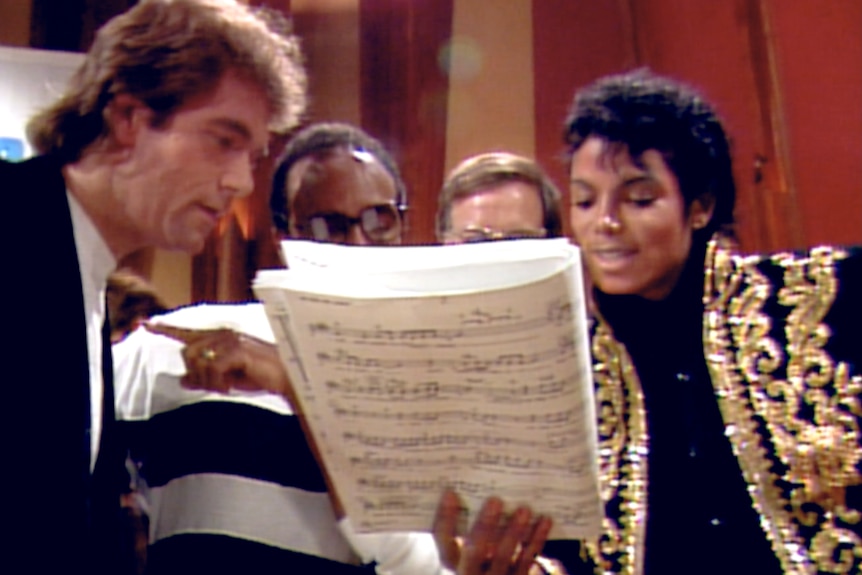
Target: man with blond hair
x=496 y=196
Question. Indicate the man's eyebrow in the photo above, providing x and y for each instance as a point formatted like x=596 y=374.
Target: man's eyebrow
x=235 y=126
x=582 y=183
x=637 y=178
x=240 y=130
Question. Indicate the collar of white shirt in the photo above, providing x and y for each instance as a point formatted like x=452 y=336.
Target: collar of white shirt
x=96 y=262
x=94 y=256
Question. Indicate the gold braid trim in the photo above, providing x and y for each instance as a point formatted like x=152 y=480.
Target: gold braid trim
x=623 y=450
x=797 y=437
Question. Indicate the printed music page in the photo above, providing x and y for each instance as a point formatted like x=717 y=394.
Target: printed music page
x=423 y=368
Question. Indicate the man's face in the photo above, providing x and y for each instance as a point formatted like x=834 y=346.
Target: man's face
x=630 y=220
x=179 y=178
x=506 y=210
x=345 y=197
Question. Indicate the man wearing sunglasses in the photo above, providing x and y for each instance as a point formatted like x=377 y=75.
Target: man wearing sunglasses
x=337 y=184
x=233 y=484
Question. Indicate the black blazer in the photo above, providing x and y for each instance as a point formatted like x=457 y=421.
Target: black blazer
x=58 y=517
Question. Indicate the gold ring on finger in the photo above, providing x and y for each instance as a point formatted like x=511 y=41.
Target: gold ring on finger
x=208 y=354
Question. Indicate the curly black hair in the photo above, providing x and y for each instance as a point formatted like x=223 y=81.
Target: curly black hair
x=318 y=138
x=642 y=111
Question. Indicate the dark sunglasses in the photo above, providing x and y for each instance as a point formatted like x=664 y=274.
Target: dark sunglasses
x=381 y=224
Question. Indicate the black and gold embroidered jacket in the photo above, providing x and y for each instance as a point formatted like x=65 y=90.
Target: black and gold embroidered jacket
x=782 y=342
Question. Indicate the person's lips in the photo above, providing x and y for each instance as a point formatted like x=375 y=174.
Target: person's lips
x=612 y=257
x=213 y=213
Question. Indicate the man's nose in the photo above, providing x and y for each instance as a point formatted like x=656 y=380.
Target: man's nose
x=238 y=177
x=356 y=236
x=609 y=220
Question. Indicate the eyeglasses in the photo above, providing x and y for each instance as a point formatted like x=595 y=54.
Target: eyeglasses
x=471 y=234
x=381 y=224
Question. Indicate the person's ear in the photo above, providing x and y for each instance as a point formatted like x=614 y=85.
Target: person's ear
x=125 y=116
x=700 y=212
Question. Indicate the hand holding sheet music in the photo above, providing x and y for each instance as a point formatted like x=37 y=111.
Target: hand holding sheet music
x=419 y=369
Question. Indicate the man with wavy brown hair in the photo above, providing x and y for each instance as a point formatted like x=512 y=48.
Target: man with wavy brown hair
x=241 y=491
x=158 y=132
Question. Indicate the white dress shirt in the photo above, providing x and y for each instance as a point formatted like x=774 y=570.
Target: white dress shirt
x=96 y=262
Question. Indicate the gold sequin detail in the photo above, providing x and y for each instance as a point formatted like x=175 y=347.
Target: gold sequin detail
x=792 y=413
x=623 y=450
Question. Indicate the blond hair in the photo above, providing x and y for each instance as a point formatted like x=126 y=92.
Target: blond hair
x=484 y=171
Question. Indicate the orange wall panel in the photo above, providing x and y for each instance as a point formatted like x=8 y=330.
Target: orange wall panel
x=786 y=78
x=819 y=49
x=573 y=44
x=708 y=45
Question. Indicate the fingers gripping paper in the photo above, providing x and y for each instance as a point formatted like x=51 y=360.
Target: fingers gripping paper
x=423 y=368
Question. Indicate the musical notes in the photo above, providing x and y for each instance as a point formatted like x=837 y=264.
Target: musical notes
x=466 y=363
x=375 y=389
x=479 y=323
x=425 y=440
x=485 y=392
x=572 y=465
x=544 y=420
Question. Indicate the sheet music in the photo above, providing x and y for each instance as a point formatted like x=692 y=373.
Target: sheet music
x=482 y=389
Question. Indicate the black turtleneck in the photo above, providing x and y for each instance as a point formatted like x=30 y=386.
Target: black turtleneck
x=699 y=515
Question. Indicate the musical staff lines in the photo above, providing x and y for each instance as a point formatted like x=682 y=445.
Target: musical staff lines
x=467 y=440
x=464 y=363
x=477 y=324
x=394 y=390
x=377 y=415
x=487 y=393
x=507 y=462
